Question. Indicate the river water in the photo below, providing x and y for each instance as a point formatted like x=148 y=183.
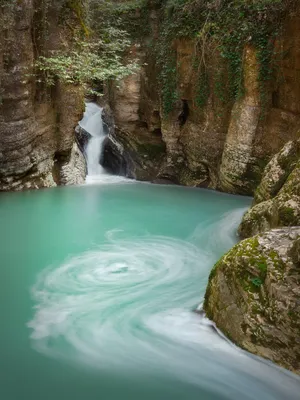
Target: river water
x=99 y=284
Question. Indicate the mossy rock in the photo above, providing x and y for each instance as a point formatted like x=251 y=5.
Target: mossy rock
x=280 y=189
x=253 y=295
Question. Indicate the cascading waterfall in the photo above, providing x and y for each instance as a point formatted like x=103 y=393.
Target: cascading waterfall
x=92 y=123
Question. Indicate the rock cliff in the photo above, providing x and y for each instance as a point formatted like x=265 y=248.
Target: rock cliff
x=175 y=119
x=277 y=198
x=37 y=124
x=253 y=294
x=210 y=140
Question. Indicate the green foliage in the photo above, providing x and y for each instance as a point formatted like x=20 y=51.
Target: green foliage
x=225 y=27
x=93 y=55
x=87 y=61
x=257 y=282
x=202 y=89
x=130 y=16
x=219 y=28
x=166 y=60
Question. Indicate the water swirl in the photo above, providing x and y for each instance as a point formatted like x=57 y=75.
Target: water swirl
x=127 y=306
x=110 y=294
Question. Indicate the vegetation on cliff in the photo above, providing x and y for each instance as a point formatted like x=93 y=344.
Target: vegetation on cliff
x=95 y=52
x=221 y=27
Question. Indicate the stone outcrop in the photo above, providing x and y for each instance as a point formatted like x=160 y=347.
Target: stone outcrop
x=73 y=170
x=221 y=145
x=134 y=147
x=253 y=296
x=277 y=198
x=36 y=124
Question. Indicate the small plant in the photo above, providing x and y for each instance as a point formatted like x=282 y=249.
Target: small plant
x=257 y=282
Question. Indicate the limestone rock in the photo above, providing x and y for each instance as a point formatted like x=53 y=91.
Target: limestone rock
x=253 y=296
x=220 y=144
x=36 y=124
x=73 y=171
x=277 y=199
x=277 y=171
x=135 y=156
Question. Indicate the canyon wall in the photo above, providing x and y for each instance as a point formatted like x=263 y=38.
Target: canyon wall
x=253 y=293
x=249 y=145
x=223 y=145
x=37 y=146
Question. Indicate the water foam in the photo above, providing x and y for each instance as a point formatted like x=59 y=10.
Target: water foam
x=93 y=124
x=110 y=282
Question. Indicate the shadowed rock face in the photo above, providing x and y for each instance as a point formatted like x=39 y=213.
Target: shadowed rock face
x=253 y=296
x=36 y=124
x=137 y=157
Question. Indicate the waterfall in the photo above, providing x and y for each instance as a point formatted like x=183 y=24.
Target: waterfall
x=93 y=124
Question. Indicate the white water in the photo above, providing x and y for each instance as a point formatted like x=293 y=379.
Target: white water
x=93 y=124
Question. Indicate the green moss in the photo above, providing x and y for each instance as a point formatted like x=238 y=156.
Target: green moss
x=78 y=7
x=287 y=216
x=215 y=268
x=276 y=260
x=249 y=264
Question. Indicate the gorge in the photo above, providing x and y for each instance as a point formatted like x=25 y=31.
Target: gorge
x=163 y=259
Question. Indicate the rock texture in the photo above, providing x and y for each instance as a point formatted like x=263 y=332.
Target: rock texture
x=73 y=170
x=134 y=147
x=277 y=198
x=221 y=145
x=36 y=124
x=253 y=296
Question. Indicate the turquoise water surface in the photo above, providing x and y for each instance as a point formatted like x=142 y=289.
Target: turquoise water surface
x=99 y=284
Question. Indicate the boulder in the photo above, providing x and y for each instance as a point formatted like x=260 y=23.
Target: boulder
x=253 y=296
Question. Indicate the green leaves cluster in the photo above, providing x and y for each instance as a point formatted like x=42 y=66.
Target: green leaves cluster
x=98 y=59
x=129 y=15
x=96 y=53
